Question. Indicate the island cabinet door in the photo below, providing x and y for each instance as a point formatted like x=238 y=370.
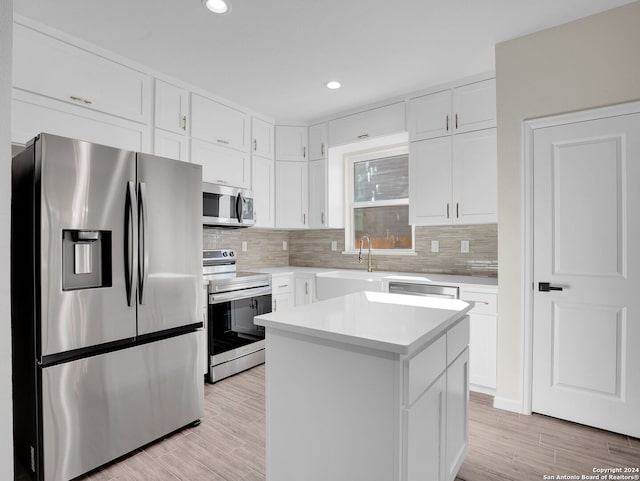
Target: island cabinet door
x=424 y=440
x=457 y=415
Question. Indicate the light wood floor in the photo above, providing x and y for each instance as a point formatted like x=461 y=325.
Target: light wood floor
x=229 y=445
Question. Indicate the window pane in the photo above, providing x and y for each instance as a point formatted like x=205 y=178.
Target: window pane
x=381 y=179
x=388 y=227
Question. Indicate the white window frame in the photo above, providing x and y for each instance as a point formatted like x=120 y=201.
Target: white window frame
x=391 y=149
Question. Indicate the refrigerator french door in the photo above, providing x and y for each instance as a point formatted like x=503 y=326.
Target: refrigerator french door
x=105 y=278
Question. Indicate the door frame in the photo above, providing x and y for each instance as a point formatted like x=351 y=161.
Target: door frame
x=528 y=129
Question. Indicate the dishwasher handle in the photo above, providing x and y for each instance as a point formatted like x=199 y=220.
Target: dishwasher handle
x=425 y=290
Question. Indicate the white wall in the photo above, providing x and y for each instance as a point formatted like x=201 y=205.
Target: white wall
x=581 y=65
x=6 y=425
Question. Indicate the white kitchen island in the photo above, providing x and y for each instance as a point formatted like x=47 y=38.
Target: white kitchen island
x=367 y=387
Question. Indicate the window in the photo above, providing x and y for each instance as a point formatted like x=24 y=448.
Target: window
x=378 y=199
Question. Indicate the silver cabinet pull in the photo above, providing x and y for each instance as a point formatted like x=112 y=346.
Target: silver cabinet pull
x=447 y=123
x=456 y=121
x=255 y=144
x=447 y=210
x=282 y=286
x=304 y=219
x=184 y=122
x=322 y=149
x=80 y=99
x=363 y=136
x=306 y=288
x=322 y=218
x=275 y=305
x=457 y=210
x=304 y=152
x=222 y=141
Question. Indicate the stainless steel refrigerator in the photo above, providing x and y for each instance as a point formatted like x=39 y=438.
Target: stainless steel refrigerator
x=105 y=271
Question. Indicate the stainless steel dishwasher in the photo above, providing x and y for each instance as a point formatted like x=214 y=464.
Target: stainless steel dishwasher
x=426 y=290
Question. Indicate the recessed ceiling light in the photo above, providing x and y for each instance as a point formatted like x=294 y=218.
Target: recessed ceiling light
x=333 y=85
x=218 y=6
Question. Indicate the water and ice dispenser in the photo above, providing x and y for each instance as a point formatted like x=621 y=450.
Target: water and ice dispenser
x=86 y=259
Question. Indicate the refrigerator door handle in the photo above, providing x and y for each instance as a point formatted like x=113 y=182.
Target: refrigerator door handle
x=144 y=252
x=131 y=241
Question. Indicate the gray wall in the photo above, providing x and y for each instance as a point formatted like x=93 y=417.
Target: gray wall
x=584 y=64
x=6 y=429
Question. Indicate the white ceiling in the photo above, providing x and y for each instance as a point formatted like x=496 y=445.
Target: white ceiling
x=275 y=56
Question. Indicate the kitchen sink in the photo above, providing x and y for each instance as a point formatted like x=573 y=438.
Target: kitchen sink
x=342 y=282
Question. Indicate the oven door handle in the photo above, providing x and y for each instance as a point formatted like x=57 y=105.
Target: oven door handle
x=218 y=298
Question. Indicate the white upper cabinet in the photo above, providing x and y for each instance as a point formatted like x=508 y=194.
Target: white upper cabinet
x=221 y=165
x=318 y=135
x=429 y=116
x=263 y=187
x=219 y=124
x=453 y=111
x=474 y=106
x=171 y=107
x=430 y=182
x=475 y=184
x=317 y=194
x=262 y=138
x=291 y=142
x=376 y=122
x=453 y=180
x=171 y=145
x=56 y=69
x=292 y=195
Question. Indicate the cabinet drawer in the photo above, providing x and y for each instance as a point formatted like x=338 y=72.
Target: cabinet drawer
x=424 y=368
x=485 y=303
x=281 y=284
x=457 y=339
x=48 y=66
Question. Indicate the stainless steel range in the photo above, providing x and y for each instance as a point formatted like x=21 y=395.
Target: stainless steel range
x=235 y=343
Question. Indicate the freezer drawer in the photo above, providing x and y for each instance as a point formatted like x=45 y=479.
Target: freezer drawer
x=99 y=408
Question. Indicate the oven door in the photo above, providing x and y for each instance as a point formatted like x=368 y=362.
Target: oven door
x=226 y=206
x=231 y=320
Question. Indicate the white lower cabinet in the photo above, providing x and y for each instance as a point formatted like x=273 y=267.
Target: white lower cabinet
x=482 y=345
x=221 y=165
x=457 y=424
x=305 y=288
x=282 y=292
x=424 y=425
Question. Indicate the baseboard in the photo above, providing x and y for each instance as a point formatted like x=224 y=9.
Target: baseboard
x=482 y=389
x=513 y=405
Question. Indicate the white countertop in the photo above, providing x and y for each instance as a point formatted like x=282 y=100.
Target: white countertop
x=389 y=322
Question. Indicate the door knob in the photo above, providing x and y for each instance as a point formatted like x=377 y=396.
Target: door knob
x=546 y=287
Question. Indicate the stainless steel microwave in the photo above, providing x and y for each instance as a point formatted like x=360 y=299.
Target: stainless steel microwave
x=225 y=206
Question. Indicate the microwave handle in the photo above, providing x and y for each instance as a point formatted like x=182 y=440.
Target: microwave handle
x=239 y=207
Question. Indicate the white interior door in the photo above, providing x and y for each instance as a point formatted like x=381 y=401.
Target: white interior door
x=586 y=236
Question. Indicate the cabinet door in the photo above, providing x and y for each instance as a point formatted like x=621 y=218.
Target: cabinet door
x=318 y=135
x=32 y=114
x=317 y=194
x=474 y=106
x=291 y=143
x=386 y=120
x=304 y=287
x=219 y=124
x=282 y=302
x=430 y=182
x=263 y=187
x=475 y=177
x=291 y=195
x=424 y=428
x=482 y=351
x=48 y=66
x=429 y=116
x=221 y=165
x=171 y=145
x=457 y=414
x=172 y=104
x=262 y=138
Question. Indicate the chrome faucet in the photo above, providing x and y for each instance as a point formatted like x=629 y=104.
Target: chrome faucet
x=369 y=268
